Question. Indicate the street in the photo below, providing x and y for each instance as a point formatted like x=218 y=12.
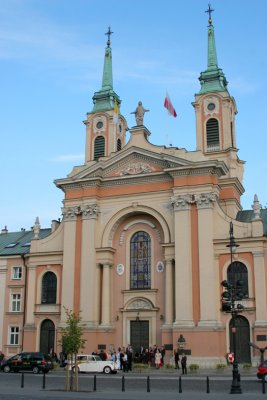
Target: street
x=125 y=386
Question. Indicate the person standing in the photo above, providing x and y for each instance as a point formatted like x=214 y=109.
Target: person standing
x=176 y=359
x=158 y=358
x=183 y=364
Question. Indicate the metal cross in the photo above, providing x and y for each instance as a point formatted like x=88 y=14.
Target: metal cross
x=108 y=33
x=210 y=10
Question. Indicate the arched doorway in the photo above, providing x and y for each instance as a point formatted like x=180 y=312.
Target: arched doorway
x=242 y=339
x=47 y=336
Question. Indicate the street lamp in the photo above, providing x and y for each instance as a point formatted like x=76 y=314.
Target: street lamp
x=230 y=297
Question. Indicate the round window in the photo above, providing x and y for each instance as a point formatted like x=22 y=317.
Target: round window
x=99 y=124
x=211 y=106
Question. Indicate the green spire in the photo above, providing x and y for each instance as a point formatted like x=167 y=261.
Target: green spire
x=105 y=97
x=213 y=79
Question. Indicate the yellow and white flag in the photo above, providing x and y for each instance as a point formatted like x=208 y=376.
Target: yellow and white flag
x=116 y=113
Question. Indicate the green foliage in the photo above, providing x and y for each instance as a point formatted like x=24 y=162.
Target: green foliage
x=193 y=367
x=220 y=366
x=247 y=366
x=71 y=336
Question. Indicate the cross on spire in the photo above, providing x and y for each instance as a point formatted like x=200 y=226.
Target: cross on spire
x=108 y=33
x=209 y=11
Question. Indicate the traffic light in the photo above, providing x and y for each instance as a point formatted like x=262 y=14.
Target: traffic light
x=226 y=306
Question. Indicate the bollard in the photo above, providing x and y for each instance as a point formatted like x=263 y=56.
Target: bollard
x=94 y=383
x=43 y=380
x=263 y=385
x=122 y=384
x=180 y=385
x=22 y=380
x=208 y=385
x=148 y=384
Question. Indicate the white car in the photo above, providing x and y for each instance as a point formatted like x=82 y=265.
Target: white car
x=93 y=363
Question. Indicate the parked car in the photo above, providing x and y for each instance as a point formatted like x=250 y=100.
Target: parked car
x=262 y=370
x=93 y=363
x=28 y=361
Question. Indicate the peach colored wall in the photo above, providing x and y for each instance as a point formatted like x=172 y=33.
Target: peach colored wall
x=118 y=190
x=77 y=268
x=195 y=264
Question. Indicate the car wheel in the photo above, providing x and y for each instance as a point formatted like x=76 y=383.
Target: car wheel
x=74 y=369
x=35 y=370
x=6 y=368
x=107 y=370
x=265 y=377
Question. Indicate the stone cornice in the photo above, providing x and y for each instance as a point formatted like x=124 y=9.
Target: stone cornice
x=117 y=181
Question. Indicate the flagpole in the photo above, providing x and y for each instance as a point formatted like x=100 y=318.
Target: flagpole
x=166 y=129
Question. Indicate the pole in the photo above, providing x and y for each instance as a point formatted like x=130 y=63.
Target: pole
x=235 y=387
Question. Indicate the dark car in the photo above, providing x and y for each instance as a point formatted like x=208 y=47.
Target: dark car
x=28 y=361
x=262 y=370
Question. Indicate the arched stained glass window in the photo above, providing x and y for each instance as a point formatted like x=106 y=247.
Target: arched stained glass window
x=238 y=271
x=49 y=288
x=140 y=255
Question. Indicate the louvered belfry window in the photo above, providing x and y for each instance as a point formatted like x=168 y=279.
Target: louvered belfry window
x=213 y=138
x=99 y=150
x=118 y=145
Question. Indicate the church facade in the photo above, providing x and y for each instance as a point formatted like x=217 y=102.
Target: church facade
x=143 y=245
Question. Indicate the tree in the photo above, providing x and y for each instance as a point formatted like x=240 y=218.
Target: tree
x=71 y=342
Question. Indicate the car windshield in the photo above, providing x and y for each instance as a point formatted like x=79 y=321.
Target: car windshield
x=97 y=358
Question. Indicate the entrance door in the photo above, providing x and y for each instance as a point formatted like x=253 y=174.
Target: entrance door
x=139 y=335
x=47 y=336
x=242 y=339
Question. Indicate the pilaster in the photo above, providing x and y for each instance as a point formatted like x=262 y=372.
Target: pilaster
x=208 y=313
x=183 y=261
x=89 y=294
x=106 y=306
x=69 y=220
x=168 y=293
x=31 y=290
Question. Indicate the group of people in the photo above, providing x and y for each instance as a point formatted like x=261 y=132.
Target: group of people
x=124 y=357
x=183 y=361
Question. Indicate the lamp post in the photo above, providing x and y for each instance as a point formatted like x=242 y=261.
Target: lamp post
x=230 y=297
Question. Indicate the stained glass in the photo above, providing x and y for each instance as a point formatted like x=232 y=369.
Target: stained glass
x=140 y=261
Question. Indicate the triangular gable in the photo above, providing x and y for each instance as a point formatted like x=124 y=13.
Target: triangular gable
x=131 y=162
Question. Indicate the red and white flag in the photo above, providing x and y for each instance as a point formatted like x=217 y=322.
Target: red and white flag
x=169 y=106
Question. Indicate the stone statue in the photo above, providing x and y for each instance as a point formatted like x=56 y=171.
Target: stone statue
x=139 y=113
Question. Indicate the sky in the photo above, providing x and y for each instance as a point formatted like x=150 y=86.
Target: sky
x=51 y=63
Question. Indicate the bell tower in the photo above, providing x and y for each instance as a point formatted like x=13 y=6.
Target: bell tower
x=105 y=127
x=215 y=111
x=215 y=108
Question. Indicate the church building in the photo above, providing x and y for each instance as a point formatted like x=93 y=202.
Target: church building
x=147 y=236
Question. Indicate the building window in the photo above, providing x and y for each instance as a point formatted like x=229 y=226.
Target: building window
x=237 y=271
x=16 y=272
x=14 y=335
x=15 y=302
x=213 y=138
x=118 y=144
x=99 y=150
x=140 y=260
x=49 y=288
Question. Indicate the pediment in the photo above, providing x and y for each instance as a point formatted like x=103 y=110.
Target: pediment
x=131 y=163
